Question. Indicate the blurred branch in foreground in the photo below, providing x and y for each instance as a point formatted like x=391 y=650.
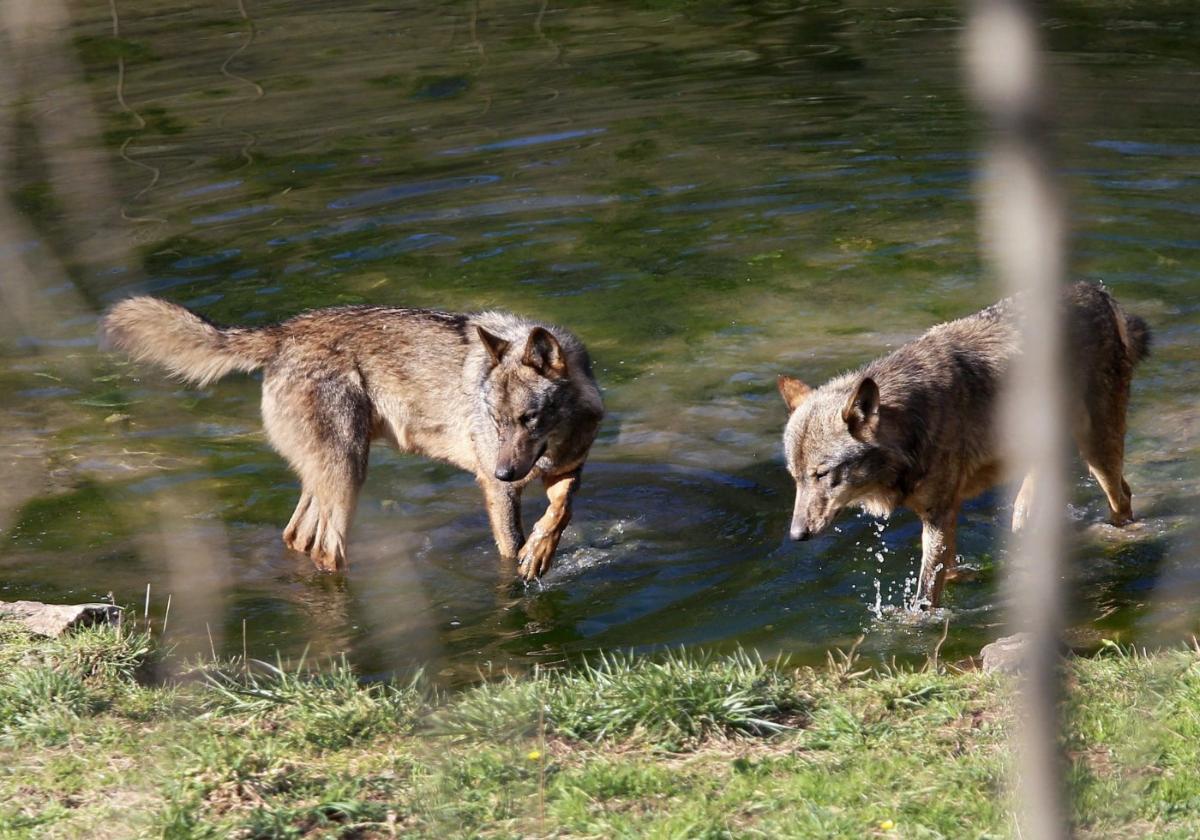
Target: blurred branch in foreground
x=1023 y=224
x=47 y=117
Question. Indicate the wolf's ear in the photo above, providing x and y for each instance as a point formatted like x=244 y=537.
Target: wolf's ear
x=861 y=413
x=544 y=354
x=496 y=346
x=793 y=391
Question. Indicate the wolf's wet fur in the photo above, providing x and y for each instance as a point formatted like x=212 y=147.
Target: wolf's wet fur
x=508 y=399
x=916 y=428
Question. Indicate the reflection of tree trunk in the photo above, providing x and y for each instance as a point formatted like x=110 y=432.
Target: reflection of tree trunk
x=398 y=628
x=24 y=311
x=60 y=106
x=196 y=557
x=45 y=84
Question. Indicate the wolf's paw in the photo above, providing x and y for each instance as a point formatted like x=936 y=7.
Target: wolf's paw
x=536 y=555
x=1128 y=530
x=329 y=560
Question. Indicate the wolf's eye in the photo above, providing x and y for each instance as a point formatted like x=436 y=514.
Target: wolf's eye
x=820 y=473
x=528 y=418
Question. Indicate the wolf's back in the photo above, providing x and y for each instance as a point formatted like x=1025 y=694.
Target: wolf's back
x=188 y=346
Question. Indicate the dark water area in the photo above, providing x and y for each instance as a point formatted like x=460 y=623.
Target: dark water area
x=708 y=194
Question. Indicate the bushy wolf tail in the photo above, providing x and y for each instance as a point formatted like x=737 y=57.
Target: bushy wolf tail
x=1136 y=336
x=188 y=346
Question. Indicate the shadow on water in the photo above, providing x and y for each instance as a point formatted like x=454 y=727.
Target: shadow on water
x=708 y=194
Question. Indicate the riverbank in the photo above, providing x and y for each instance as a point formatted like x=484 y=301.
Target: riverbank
x=674 y=746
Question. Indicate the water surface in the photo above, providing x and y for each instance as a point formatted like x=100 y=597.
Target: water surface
x=707 y=193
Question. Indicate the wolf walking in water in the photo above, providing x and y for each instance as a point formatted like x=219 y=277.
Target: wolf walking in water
x=507 y=399
x=918 y=427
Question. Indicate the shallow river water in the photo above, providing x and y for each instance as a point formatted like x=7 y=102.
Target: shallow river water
x=707 y=193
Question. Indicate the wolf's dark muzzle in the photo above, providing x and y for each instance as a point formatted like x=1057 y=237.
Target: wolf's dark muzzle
x=508 y=472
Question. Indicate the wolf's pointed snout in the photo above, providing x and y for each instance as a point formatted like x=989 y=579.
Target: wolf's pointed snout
x=506 y=473
x=799 y=532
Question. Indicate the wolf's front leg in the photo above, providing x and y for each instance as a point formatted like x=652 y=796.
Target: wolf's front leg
x=938 y=558
x=504 y=512
x=538 y=552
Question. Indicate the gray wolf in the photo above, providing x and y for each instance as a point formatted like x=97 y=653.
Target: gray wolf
x=507 y=399
x=916 y=428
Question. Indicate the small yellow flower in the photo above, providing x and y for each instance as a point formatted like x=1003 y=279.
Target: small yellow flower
x=886 y=825
x=534 y=755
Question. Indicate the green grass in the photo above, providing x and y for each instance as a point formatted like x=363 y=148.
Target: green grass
x=672 y=701
x=671 y=745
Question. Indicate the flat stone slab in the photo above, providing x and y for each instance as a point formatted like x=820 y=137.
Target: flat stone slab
x=55 y=619
x=1005 y=655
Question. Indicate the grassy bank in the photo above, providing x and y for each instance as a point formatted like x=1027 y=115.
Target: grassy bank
x=678 y=746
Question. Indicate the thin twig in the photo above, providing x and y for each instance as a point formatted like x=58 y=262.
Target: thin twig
x=541 y=766
x=937 y=649
x=140 y=122
x=259 y=93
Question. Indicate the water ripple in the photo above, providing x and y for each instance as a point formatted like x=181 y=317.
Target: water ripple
x=399 y=192
x=531 y=140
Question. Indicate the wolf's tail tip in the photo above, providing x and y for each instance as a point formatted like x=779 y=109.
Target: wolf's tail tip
x=1140 y=338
